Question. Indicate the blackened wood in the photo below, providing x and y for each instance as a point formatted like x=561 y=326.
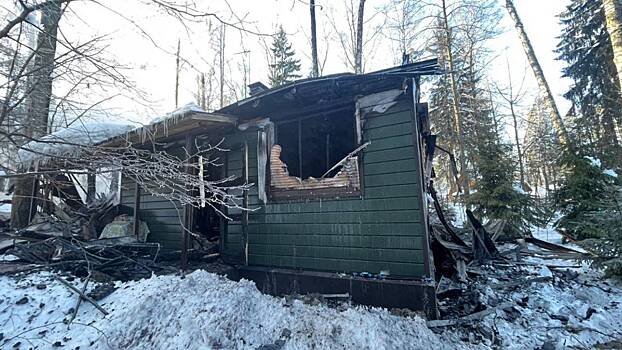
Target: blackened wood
x=187 y=216
x=245 y=205
x=136 y=209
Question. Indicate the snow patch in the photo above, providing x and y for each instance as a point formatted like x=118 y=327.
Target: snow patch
x=610 y=172
x=518 y=188
x=594 y=161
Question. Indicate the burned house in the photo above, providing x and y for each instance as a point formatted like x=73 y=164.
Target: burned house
x=338 y=167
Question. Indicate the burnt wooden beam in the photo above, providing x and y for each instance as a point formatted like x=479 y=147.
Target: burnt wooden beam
x=417 y=148
x=245 y=203
x=187 y=215
x=136 y=209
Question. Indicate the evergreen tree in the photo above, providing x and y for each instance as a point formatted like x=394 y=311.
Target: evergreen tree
x=497 y=194
x=284 y=67
x=586 y=47
x=591 y=202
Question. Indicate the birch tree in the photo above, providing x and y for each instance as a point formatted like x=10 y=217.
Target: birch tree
x=357 y=34
x=613 y=14
x=539 y=74
x=358 y=49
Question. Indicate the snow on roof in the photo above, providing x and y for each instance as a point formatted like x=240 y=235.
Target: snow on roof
x=178 y=113
x=66 y=142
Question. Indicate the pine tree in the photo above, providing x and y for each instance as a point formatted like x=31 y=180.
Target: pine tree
x=497 y=194
x=586 y=47
x=284 y=67
x=591 y=202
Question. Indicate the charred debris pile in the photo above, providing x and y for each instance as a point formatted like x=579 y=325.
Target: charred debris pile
x=96 y=240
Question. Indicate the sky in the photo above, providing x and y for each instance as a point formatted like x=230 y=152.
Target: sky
x=143 y=40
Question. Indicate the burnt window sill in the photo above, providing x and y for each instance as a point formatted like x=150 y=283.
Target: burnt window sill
x=303 y=195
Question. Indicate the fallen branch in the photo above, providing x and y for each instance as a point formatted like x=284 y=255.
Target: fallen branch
x=467 y=319
x=75 y=309
x=86 y=297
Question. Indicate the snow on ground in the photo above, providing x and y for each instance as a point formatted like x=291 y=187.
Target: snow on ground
x=575 y=308
x=200 y=311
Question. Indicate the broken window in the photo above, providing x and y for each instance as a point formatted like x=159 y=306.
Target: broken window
x=312 y=153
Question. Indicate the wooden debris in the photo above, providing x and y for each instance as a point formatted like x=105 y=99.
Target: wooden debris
x=469 y=318
x=84 y=296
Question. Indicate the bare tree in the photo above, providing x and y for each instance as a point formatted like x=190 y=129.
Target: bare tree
x=403 y=20
x=221 y=63
x=358 y=50
x=31 y=108
x=38 y=102
x=357 y=38
x=177 y=72
x=315 y=69
x=458 y=124
x=512 y=98
x=539 y=74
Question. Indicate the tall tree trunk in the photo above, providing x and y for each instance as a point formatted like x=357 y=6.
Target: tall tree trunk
x=558 y=123
x=464 y=176
x=221 y=64
x=521 y=167
x=315 y=70
x=358 y=51
x=177 y=70
x=613 y=14
x=36 y=120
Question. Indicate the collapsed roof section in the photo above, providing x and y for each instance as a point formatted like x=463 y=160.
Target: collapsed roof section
x=323 y=92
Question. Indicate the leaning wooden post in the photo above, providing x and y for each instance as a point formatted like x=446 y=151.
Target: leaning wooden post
x=187 y=221
x=91 y=185
x=136 y=210
x=245 y=205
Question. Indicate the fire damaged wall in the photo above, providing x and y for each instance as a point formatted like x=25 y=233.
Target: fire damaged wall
x=378 y=227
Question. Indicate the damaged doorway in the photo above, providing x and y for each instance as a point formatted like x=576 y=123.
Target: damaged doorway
x=206 y=221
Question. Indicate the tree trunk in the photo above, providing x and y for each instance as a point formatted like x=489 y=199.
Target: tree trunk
x=558 y=123
x=464 y=176
x=221 y=65
x=358 y=51
x=315 y=70
x=521 y=167
x=36 y=120
x=613 y=14
x=177 y=66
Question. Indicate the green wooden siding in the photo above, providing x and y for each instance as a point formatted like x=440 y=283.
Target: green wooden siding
x=161 y=215
x=381 y=230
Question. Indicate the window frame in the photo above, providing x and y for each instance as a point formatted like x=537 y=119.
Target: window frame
x=326 y=192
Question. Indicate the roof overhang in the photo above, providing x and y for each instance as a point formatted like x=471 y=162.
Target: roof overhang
x=190 y=123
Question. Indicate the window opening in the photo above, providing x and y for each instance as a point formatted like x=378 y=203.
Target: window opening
x=307 y=148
